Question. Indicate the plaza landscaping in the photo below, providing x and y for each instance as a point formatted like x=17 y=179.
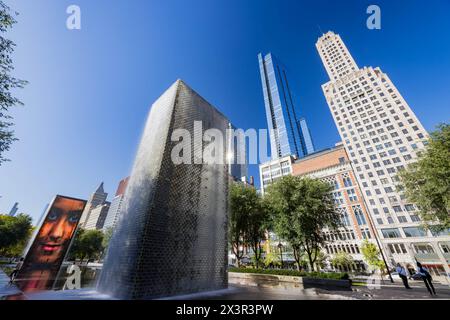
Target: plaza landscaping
x=293 y=273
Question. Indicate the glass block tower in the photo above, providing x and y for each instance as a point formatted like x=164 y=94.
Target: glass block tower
x=286 y=135
x=381 y=135
x=171 y=236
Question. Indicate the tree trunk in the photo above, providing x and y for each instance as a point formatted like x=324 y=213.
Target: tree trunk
x=311 y=262
x=297 y=257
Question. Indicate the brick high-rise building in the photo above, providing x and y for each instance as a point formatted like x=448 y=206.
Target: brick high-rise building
x=333 y=167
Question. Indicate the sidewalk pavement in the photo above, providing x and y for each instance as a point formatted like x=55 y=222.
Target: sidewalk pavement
x=396 y=291
x=6 y=288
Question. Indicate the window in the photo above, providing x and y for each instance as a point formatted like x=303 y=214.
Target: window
x=397 y=248
x=415 y=218
x=352 y=195
x=347 y=181
x=359 y=215
x=344 y=218
x=423 y=248
x=445 y=248
x=366 y=233
x=445 y=232
x=412 y=232
x=402 y=219
x=391 y=233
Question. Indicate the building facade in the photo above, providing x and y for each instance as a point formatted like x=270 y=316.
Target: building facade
x=271 y=171
x=98 y=198
x=381 y=135
x=286 y=137
x=116 y=204
x=14 y=209
x=97 y=217
x=237 y=155
x=333 y=167
x=306 y=137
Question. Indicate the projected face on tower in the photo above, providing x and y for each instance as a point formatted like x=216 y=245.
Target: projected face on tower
x=55 y=234
x=50 y=245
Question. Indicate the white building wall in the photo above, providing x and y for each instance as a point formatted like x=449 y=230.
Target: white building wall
x=381 y=135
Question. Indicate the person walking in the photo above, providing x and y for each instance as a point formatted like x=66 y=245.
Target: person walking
x=13 y=274
x=426 y=277
x=403 y=275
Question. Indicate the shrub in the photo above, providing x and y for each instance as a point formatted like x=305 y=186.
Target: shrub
x=294 y=273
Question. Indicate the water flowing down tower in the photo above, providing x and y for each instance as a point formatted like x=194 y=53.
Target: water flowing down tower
x=171 y=237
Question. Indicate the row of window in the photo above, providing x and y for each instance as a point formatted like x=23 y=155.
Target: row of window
x=336 y=248
x=410 y=232
x=419 y=248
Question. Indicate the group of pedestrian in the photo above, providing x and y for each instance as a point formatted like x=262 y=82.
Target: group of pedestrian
x=422 y=272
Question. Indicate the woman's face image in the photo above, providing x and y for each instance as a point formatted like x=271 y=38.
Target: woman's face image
x=51 y=243
x=56 y=231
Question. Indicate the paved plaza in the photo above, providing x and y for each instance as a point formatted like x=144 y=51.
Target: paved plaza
x=238 y=292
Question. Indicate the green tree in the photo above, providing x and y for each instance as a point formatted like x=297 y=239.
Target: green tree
x=427 y=181
x=371 y=255
x=257 y=222
x=87 y=244
x=321 y=260
x=272 y=259
x=301 y=208
x=8 y=83
x=107 y=237
x=14 y=233
x=342 y=259
x=247 y=221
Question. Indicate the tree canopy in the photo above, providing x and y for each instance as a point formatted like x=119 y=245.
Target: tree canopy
x=14 y=234
x=8 y=83
x=427 y=182
x=248 y=221
x=87 y=244
x=301 y=208
x=371 y=255
x=342 y=259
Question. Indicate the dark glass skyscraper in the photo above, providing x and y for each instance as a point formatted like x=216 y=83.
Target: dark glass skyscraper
x=286 y=134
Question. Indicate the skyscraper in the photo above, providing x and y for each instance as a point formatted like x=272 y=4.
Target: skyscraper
x=286 y=137
x=381 y=135
x=237 y=156
x=97 y=217
x=116 y=204
x=14 y=209
x=97 y=198
x=307 y=142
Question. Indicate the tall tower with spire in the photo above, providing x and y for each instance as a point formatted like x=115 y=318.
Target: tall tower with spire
x=98 y=198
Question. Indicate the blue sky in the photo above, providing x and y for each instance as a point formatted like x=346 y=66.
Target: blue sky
x=90 y=90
